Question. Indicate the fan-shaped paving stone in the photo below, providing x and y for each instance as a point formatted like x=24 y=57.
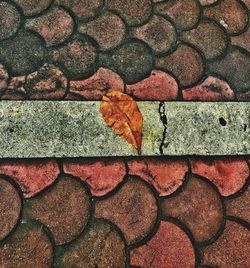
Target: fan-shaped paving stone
x=9 y=20
x=185 y=63
x=158 y=86
x=228 y=175
x=212 y=89
x=32 y=176
x=134 y=12
x=10 y=207
x=199 y=207
x=33 y=7
x=108 y=30
x=55 y=26
x=101 y=176
x=64 y=208
x=166 y=176
x=229 y=13
x=24 y=53
x=242 y=40
x=4 y=76
x=78 y=57
x=98 y=85
x=100 y=246
x=239 y=206
x=16 y=89
x=28 y=247
x=83 y=9
x=132 y=61
x=231 y=249
x=133 y=209
x=47 y=83
x=209 y=37
x=238 y=73
x=185 y=13
x=169 y=247
x=158 y=33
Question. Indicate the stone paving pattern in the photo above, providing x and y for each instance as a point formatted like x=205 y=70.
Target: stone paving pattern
x=131 y=212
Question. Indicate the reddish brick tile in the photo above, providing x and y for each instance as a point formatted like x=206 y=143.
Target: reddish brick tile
x=185 y=63
x=98 y=85
x=33 y=7
x=209 y=37
x=165 y=175
x=228 y=175
x=78 y=57
x=199 y=207
x=28 y=247
x=231 y=249
x=207 y=2
x=133 y=209
x=9 y=20
x=185 y=13
x=15 y=89
x=134 y=12
x=239 y=206
x=100 y=246
x=169 y=247
x=64 y=209
x=101 y=176
x=32 y=176
x=47 y=83
x=229 y=13
x=108 y=30
x=212 y=89
x=158 y=86
x=55 y=26
x=242 y=40
x=158 y=33
x=84 y=9
x=4 y=76
x=10 y=207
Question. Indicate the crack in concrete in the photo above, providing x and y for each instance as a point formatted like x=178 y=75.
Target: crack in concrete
x=164 y=120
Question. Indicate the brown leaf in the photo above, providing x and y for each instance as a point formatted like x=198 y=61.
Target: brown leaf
x=122 y=114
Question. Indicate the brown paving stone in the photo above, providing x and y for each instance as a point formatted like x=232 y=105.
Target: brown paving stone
x=16 y=89
x=98 y=85
x=134 y=12
x=228 y=175
x=165 y=175
x=185 y=63
x=33 y=7
x=212 y=89
x=83 y=9
x=100 y=246
x=185 y=13
x=158 y=33
x=32 y=176
x=47 y=83
x=133 y=61
x=209 y=37
x=239 y=206
x=207 y=2
x=9 y=20
x=10 y=207
x=28 y=247
x=133 y=209
x=247 y=3
x=230 y=13
x=169 y=247
x=24 y=53
x=78 y=57
x=238 y=72
x=64 y=209
x=199 y=207
x=108 y=30
x=158 y=86
x=231 y=250
x=4 y=76
x=101 y=176
x=242 y=40
x=55 y=26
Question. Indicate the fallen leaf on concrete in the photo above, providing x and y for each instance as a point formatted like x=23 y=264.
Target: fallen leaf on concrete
x=122 y=114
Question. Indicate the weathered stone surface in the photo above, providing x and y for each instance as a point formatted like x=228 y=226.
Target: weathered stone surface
x=75 y=129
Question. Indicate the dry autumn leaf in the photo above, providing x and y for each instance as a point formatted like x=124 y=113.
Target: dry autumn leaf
x=122 y=114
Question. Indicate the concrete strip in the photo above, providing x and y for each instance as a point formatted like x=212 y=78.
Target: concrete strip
x=76 y=129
